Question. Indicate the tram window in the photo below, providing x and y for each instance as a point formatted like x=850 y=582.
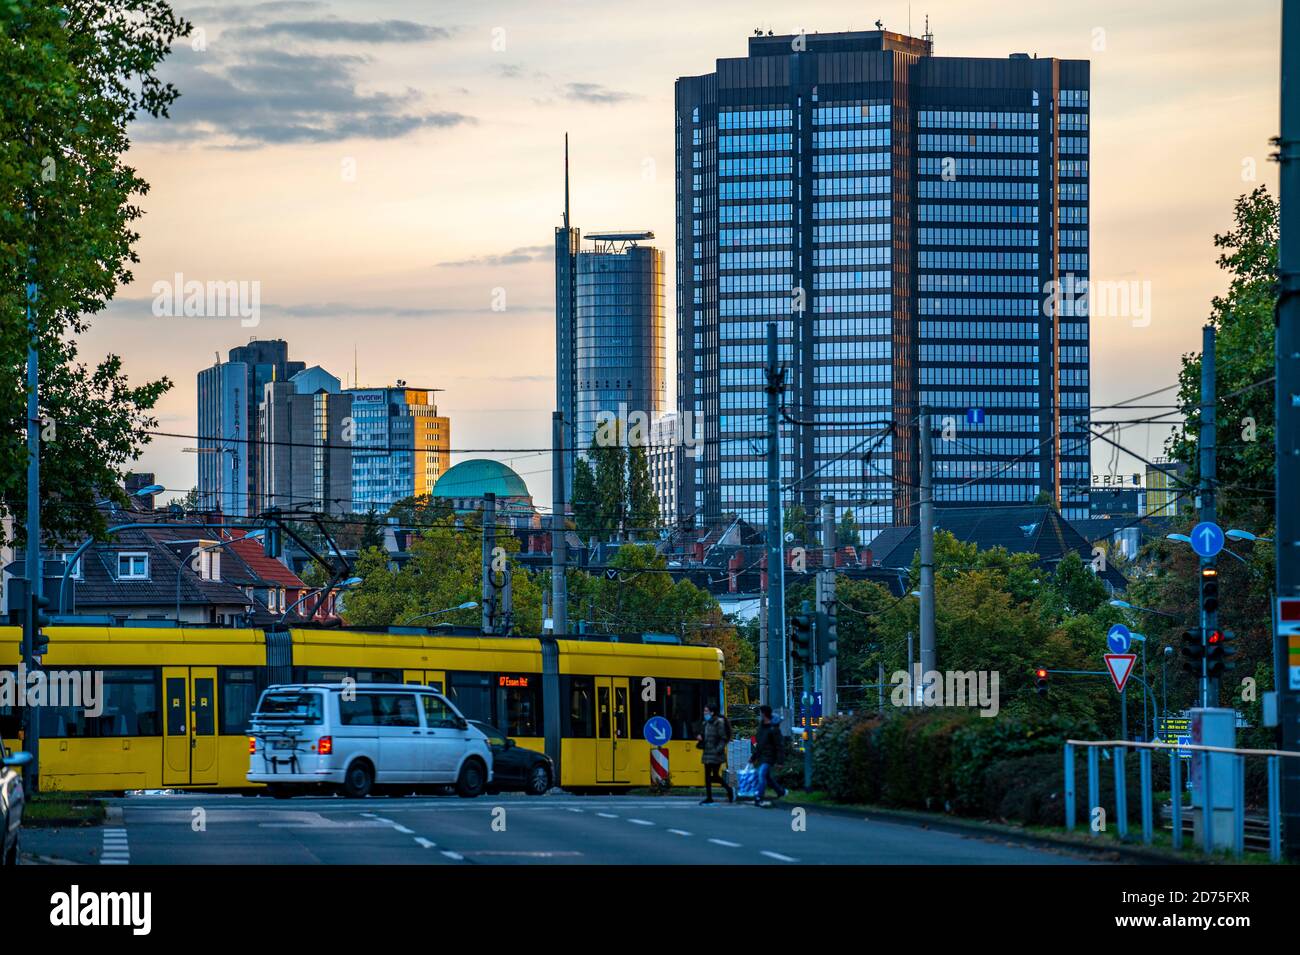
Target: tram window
x=238 y=689
x=129 y=707
x=204 y=704
x=176 y=709
x=582 y=724
x=472 y=694
x=683 y=707
x=522 y=707
x=602 y=712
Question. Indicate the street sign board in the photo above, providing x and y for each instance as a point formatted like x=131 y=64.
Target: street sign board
x=1120 y=666
x=1207 y=539
x=1119 y=638
x=658 y=731
x=1288 y=628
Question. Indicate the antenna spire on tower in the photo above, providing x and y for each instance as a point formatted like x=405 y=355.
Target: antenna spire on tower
x=566 y=180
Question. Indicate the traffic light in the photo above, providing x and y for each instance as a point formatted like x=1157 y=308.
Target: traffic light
x=827 y=636
x=272 y=541
x=801 y=634
x=1209 y=588
x=40 y=620
x=1040 y=681
x=1218 y=649
x=1194 y=651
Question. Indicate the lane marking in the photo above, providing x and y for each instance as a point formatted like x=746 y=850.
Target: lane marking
x=425 y=843
x=724 y=842
x=453 y=855
x=777 y=856
x=641 y=822
x=679 y=832
x=115 y=848
x=403 y=830
x=607 y=815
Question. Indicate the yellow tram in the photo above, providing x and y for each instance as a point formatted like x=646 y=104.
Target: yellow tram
x=176 y=700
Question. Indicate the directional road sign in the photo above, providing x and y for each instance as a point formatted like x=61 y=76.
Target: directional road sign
x=1207 y=539
x=1119 y=638
x=658 y=731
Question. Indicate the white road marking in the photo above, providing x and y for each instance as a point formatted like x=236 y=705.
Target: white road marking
x=403 y=830
x=606 y=815
x=453 y=855
x=679 y=832
x=777 y=856
x=570 y=808
x=425 y=843
x=641 y=822
x=724 y=842
x=115 y=849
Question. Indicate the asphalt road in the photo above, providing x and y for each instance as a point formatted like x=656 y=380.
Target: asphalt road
x=198 y=829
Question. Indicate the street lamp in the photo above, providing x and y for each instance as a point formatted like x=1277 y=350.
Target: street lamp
x=1125 y=605
x=1240 y=535
x=467 y=605
x=149 y=490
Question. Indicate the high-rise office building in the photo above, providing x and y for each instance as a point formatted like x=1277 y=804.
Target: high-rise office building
x=305 y=460
x=400 y=446
x=228 y=397
x=610 y=348
x=917 y=227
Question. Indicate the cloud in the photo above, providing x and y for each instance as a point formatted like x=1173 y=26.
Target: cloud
x=595 y=93
x=137 y=306
x=261 y=95
x=335 y=30
x=527 y=253
x=249 y=12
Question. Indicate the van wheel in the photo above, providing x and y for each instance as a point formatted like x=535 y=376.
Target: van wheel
x=473 y=779
x=358 y=780
x=539 y=781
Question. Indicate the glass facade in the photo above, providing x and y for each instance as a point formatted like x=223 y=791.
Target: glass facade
x=400 y=445
x=905 y=220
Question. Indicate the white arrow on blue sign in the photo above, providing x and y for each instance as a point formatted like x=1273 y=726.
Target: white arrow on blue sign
x=1119 y=638
x=1207 y=538
x=658 y=731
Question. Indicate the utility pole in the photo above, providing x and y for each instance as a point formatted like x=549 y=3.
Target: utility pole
x=1209 y=619
x=1287 y=410
x=826 y=602
x=559 y=580
x=928 y=664
x=35 y=566
x=489 y=545
x=776 y=688
x=762 y=648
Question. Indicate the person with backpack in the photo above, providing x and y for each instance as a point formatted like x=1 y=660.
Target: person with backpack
x=769 y=754
x=713 y=738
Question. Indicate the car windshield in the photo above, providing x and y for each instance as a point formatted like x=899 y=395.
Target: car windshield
x=299 y=707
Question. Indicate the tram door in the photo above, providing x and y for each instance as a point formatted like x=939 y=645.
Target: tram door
x=432 y=678
x=190 y=726
x=612 y=740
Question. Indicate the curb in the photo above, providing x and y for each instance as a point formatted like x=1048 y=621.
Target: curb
x=1139 y=854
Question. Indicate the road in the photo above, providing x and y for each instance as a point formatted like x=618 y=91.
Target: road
x=213 y=829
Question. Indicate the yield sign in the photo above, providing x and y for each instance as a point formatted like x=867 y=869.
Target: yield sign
x=1120 y=666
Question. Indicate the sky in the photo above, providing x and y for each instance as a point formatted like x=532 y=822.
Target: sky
x=390 y=173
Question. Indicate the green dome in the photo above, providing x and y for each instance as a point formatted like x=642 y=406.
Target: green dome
x=479 y=477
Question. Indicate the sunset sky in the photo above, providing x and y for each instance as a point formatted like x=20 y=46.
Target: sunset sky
x=381 y=167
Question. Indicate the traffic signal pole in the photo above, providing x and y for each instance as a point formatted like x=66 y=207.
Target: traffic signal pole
x=928 y=664
x=1209 y=685
x=35 y=567
x=826 y=606
x=776 y=695
x=1287 y=411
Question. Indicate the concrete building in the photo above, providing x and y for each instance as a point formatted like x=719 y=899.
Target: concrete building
x=305 y=459
x=917 y=227
x=228 y=397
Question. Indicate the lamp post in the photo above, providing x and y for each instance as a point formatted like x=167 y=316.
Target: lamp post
x=342 y=585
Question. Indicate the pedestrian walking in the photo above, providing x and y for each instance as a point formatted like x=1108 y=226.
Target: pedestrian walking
x=713 y=738
x=769 y=753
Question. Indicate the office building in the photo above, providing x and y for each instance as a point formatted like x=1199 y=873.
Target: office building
x=400 y=446
x=1167 y=490
x=610 y=343
x=305 y=457
x=228 y=397
x=917 y=227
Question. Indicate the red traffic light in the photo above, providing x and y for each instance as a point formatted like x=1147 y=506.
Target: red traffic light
x=1216 y=636
x=1040 y=673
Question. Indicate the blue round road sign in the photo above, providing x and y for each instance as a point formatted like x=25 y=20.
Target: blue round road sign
x=1119 y=638
x=1207 y=539
x=658 y=731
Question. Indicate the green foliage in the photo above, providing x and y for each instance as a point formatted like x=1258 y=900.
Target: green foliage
x=642 y=503
x=444 y=570
x=75 y=76
x=585 y=507
x=846 y=534
x=1244 y=356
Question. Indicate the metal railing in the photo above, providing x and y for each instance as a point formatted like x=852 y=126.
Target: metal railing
x=1119 y=750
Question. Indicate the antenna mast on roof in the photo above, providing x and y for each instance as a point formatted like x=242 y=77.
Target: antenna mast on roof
x=927 y=36
x=566 y=180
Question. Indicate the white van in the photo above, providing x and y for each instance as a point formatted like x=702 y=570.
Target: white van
x=354 y=737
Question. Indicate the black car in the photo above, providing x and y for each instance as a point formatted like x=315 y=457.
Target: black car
x=514 y=768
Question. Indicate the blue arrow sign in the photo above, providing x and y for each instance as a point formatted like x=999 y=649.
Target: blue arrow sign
x=658 y=731
x=1119 y=638
x=1207 y=539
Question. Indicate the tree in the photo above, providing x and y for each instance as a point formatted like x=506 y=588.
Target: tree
x=611 y=489
x=796 y=523
x=1244 y=357
x=642 y=502
x=846 y=535
x=444 y=570
x=76 y=75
